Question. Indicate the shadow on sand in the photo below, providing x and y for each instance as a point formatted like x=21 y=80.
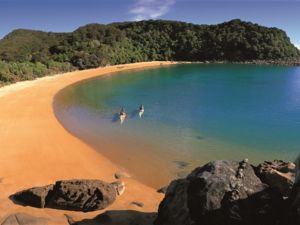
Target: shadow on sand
x=118 y=217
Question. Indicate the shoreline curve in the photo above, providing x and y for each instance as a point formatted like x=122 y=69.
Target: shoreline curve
x=37 y=150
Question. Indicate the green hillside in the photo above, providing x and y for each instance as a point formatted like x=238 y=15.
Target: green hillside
x=25 y=54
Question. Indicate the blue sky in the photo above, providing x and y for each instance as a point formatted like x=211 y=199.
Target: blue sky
x=67 y=15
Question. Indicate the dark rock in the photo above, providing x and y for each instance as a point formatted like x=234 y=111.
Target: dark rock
x=163 y=190
x=138 y=204
x=77 y=195
x=81 y=195
x=174 y=208
x=23 y=219
x=294 y=213
x=35 y=197
x=277 y=174
x=221 y=192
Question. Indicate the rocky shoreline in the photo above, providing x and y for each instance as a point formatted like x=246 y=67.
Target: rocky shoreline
x=218 y=193
x=275 y=62
x=230 y=192
x=292 y=62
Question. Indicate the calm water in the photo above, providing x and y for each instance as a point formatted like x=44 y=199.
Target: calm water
x=193 y=113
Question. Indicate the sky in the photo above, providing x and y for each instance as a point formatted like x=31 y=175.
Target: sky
x=68 y=15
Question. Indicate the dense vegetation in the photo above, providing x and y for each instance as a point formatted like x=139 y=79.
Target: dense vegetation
x=25 y=54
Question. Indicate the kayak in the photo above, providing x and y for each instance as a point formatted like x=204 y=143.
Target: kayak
x=141 y=111
x=122 y=115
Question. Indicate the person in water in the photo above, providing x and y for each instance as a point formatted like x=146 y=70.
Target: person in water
x=122 y=112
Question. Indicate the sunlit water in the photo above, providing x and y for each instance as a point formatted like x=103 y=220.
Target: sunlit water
x=193 y=113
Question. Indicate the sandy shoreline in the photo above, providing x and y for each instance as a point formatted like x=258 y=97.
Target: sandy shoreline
x=36 y=150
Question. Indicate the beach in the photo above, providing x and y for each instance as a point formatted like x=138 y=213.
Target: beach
x=36 y=149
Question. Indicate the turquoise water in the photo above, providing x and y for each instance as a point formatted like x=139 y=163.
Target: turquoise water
x=193 y=113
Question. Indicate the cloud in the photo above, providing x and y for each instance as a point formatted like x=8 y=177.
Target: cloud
x=297 y=45
x=150 y=9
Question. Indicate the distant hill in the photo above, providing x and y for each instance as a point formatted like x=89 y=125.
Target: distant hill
x=25 y=54
x=26 y=45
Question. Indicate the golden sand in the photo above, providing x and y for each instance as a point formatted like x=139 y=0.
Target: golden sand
x=36 y=150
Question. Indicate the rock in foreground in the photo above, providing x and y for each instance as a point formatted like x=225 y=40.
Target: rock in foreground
x=294 y=215
x=278 y=174
x=77 y=195
x=220 y=192
x=295 y=197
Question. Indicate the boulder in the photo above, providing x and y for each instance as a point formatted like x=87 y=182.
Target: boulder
x=23 y=219
x=294 y=214
x=218 y=193
x=174 y=210
x=297 y=170
x=277 y=174
x=81 y=195
x=76 y=195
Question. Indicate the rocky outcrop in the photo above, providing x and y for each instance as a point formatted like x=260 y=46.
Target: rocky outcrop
x=294 y=213
x=174 y=207
x=77 y=195
x=81 y=195
x=297 y=170
x=23 y=219
x=218 y=193
x=277 y=174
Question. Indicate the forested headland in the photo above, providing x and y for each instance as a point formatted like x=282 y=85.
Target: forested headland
x=27 y=54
